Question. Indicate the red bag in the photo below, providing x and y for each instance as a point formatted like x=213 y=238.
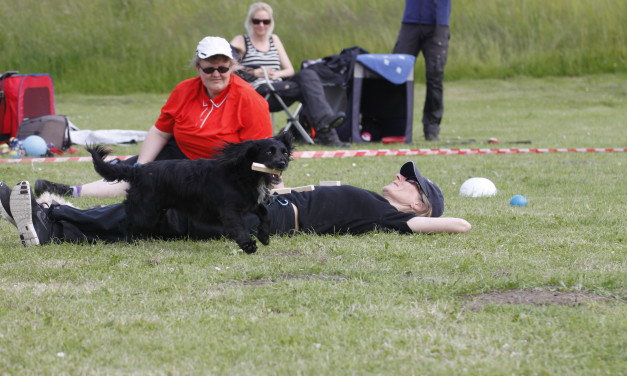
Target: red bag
x=23 y=96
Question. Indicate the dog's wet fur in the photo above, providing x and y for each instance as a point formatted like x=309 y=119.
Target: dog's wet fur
x=215 y=191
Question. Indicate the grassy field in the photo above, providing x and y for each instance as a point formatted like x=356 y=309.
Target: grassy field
x=145 y=46
x=379 y=304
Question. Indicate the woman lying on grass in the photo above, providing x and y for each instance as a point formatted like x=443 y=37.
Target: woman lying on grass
x=411 y=203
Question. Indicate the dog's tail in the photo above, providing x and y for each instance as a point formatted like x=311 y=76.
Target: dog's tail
x=109 y=171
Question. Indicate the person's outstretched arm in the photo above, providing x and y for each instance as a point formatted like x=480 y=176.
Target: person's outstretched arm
x=434 y=225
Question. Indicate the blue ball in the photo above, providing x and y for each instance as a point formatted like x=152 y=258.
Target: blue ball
x=35 y=145
x=518 y=200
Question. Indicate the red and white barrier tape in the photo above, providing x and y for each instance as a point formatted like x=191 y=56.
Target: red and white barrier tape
x=366 y=153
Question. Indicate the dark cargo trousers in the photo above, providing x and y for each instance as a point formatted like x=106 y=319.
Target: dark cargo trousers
x=432 y=40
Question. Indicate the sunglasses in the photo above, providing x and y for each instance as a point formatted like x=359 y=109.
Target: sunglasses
x=423 y=196
x=257 y=21
x=412 y=180
x=210 y=70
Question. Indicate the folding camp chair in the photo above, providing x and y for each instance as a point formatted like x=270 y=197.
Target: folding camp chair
x=292 y=121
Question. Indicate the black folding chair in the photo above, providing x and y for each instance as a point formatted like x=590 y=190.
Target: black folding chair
x=292 y=121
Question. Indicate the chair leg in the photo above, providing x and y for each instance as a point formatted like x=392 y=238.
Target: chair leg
x=292 y=121
x=291 y=118
x=300 y=130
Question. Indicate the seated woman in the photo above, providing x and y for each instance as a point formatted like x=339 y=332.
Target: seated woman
x=411 y=203
x=199 y=116
x=261 y=48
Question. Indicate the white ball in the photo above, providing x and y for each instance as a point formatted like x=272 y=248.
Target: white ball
x=477 y=187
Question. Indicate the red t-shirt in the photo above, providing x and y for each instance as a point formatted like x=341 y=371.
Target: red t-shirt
x=199 y=126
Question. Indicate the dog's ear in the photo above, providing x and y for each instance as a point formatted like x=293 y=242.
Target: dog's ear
x=251 y=151
x=287 y=139
x=236 y=152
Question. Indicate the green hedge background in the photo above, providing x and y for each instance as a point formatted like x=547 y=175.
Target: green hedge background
x=124 y=46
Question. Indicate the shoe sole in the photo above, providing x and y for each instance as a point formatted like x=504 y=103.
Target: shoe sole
x=21 y=209
x=335 y=124
x=338 y=122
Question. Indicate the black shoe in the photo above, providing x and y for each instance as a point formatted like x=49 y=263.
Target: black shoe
x=5 y=200
x=330 y=139
x=431 y=137
x=334 y=122
x=31 y=220
x=42 y=186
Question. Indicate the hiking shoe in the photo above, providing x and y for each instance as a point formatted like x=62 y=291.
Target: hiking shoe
x=431 y=137
x=330 y=139
x=31 y=220
x=42 y=186
x=334 y=122
x=5 y=200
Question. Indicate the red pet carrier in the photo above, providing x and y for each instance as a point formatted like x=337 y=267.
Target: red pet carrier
x=23 y=96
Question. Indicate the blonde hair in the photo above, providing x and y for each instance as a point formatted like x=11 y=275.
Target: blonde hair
x=428 y=209
x=254 y=8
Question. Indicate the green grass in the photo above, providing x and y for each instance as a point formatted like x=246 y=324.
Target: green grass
x=118 y=47
x=374 y=304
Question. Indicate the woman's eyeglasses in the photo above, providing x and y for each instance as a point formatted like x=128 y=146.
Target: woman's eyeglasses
x=423 y=196
x=210 y=70
x=257 y=21
x=411 y=180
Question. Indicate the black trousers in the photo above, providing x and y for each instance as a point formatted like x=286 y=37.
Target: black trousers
x=432 y=40
x=170 y=150
x=105 y=224
x=305 y=87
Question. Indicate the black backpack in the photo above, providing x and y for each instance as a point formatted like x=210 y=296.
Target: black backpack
x=54 y=129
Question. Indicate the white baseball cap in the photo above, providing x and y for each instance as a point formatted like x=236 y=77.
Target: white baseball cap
x=211 y=46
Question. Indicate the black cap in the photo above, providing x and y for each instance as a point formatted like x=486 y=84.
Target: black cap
x=409 y=170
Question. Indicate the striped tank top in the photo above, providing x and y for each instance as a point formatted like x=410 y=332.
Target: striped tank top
x=269 y=59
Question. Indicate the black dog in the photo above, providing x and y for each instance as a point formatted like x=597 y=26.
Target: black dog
x=216 y=191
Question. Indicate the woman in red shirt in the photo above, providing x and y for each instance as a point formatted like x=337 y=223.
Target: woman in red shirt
x=201 y=114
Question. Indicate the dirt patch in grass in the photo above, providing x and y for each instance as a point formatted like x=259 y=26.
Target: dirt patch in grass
x=283 y=254
x=536 y=297
x=290 y=277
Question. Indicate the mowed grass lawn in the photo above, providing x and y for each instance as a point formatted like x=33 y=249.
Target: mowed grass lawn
x=535 y=290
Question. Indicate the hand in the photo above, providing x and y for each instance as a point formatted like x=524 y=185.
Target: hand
x=273 y=74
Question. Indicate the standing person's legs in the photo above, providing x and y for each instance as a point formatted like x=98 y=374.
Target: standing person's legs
x=435 y=51
x=432 y=40
x=409 y=40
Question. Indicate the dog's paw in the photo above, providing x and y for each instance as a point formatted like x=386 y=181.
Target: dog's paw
x=249 y=247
